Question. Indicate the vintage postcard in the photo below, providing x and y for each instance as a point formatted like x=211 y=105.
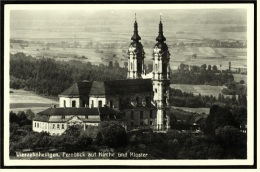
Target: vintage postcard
x=129 y=85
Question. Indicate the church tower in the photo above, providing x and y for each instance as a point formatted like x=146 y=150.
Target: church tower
x=135 y=56
x=161 y=80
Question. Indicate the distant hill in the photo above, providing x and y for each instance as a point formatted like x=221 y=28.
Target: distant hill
x=97 y=29
x=234 y=29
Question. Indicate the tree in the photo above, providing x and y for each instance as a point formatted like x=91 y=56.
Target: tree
x=209 y=67
x=113 y=134
x=110 y=64
x=215 y=69
x=219 y=117
x=116 y=64
x=241 y=82
x=126 y=64
x=29 y=114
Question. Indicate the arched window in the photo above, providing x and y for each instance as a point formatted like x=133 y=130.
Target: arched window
x=141 y=114
x=100 y=103
x=73 y=103
x=132 y=114
x=137 y=100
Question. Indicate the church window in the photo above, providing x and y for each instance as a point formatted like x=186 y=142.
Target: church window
x=53 y=126
x=155 y=90
x=132 y=114
x=100 y=103
x=120 y=102
x=147 y=100
x=151 y=113
x=64 y=103
x=62 y=126
x=164 y=99
x=141 y=115
x=164 y=114
x=137 y=100
x=164 y=68
x=73 y=103
x=127 y=100
x=58 y=126
x=111 y=103
x=37 y=125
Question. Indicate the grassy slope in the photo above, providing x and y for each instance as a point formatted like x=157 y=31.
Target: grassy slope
x=21 y=100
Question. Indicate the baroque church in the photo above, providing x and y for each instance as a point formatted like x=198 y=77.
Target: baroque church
x=136 y=103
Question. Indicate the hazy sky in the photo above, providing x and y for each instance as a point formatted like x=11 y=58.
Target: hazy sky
x=121 y=21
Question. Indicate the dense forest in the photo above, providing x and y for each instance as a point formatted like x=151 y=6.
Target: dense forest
x=208 y=75
x=49 y=77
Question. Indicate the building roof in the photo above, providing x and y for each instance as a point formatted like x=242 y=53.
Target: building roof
x=130 y=86
x=84 y=114
x=79 y=88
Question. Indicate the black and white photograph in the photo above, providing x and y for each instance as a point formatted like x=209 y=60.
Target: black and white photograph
x=129 y=84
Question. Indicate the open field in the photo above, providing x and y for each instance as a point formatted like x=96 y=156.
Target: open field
x=204 y=90
x=239 y=77
x=205 y=55
x=195 y=110
x=21 y=100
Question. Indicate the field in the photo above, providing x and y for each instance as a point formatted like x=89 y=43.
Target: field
x=204 y=90
x=238 y=77
x=195 y=110
x=21 y=100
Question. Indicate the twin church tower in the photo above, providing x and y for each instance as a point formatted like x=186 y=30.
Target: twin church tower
x=87 y=103
x=161 y=69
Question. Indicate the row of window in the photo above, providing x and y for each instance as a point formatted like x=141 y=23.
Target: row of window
x=57 y=126
x=44 y=126
x=40 y=125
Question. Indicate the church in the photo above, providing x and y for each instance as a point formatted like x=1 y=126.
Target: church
x=136 y=103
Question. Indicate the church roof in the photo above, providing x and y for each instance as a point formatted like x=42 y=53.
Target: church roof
x=130 y=86
x=79 y=88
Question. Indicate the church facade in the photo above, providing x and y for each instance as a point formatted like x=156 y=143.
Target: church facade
x=136 y=102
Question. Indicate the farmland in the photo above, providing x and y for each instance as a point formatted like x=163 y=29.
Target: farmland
x=204 y=90
x=195 y=110
x=21 y=100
